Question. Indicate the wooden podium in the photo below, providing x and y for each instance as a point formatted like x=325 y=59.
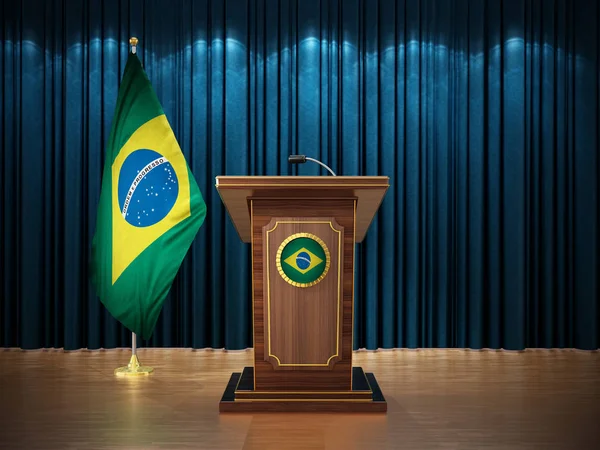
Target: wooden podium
x=303 y=232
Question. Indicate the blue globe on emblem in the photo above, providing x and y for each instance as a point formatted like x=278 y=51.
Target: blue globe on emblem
x=148 y=188
x=303 y=260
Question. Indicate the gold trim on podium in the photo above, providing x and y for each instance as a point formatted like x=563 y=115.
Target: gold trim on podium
x=337 y=336
x=305 y=185
x=252 y=274
x=304 y=392
x=353 y=400
x=353 y=283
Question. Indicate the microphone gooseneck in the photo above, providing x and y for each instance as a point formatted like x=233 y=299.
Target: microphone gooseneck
x=301 y=159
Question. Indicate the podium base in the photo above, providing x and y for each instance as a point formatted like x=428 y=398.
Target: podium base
x=365 y=396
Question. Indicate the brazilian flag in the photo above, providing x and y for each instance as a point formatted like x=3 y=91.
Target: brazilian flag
x=150 y=207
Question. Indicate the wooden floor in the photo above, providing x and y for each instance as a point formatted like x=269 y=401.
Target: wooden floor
x=437 y=399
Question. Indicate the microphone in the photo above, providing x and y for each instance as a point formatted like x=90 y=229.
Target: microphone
x=301 y=159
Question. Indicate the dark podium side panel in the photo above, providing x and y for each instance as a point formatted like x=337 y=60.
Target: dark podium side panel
x=303 y=235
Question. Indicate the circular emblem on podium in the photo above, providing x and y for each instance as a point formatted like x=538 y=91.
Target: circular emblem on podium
x=303 y=260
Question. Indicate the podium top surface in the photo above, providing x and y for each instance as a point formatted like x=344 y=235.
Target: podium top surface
x=236 y=192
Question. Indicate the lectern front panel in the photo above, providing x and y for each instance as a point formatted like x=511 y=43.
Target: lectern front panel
x=303 y=255
x=303 y=284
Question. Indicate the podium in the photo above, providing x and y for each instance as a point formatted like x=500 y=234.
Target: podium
x=302 y=232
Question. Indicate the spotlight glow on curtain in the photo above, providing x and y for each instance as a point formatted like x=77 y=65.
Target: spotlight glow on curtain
x=484 y=114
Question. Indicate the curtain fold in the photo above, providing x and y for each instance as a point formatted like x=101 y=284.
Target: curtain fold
x=485 y=115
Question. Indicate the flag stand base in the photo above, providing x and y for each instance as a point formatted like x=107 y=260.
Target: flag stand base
x=133 y=369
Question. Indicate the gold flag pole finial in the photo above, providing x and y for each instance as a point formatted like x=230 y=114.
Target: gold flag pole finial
x=133 y=41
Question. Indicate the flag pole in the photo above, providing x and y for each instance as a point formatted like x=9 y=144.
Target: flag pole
x=134 y=368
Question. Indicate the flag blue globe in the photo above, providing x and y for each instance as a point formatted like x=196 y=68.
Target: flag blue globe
x=148 y=188
x=303 y=260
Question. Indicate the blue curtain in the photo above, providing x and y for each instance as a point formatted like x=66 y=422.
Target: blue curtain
x=483 y=113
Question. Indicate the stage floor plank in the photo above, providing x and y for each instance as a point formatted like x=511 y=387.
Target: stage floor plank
x=437 y=399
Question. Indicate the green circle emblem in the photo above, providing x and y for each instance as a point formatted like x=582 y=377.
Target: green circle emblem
x=303 y=260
